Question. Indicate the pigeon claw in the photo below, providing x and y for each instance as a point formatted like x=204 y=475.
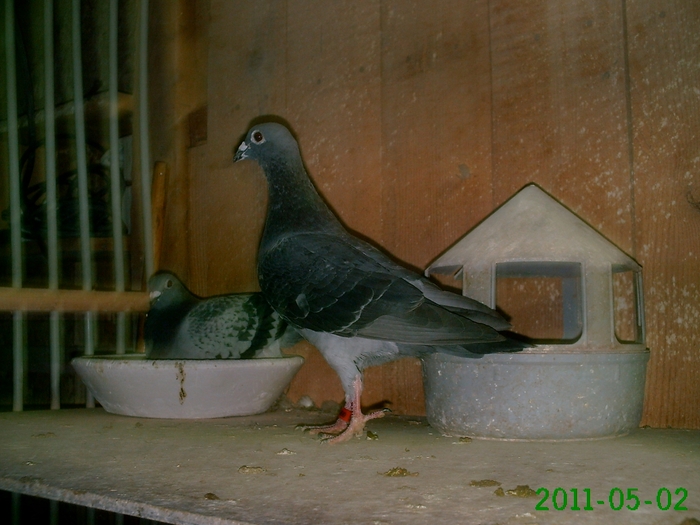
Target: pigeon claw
x=351 y=421
x=351 y=414
x=356 y=427
x=333 y=428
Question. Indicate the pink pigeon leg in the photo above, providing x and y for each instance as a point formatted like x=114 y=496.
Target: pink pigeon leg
x=357 y=418
x=334 y=428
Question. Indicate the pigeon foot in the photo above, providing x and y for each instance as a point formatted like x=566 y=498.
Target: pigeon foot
x=354 y=428
x=351 y=421
x=334 y=428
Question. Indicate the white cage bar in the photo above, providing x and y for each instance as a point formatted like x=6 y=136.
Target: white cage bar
x=19 y=299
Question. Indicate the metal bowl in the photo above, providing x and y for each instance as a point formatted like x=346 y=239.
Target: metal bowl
x=536 y=394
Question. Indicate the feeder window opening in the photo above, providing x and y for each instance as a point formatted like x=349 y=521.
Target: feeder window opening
x=448 y=278
x=627 y=304
x=543 y=300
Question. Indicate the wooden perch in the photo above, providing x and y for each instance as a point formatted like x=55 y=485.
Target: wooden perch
x=158 y=186
x=44 y=300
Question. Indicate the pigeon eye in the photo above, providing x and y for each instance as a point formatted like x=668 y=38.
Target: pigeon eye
x=168 y=284
x=257 y=137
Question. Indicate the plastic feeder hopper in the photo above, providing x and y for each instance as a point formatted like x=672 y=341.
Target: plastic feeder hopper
x=578 y=296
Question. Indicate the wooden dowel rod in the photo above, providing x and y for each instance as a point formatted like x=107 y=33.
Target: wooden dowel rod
x=158 y=187
x=44 y=300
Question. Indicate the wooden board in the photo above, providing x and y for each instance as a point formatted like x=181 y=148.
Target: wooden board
x=333 y=95
x=560 y=120
x=333 y=103
x=416 y=119
x=225 y=222
x=178 y=71
x=664 y=46
x=436 y=125
x=246 y=79
x=559 y=108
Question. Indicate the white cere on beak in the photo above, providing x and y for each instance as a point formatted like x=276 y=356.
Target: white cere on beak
x=242 y=149
x=155 y=295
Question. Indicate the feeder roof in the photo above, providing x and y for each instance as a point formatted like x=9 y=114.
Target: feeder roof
x=531 y=226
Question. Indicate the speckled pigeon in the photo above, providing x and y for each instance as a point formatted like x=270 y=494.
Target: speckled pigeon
x=357 y=306
x=181 y=325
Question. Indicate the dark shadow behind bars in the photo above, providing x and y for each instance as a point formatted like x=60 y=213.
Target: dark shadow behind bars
x=75 y=191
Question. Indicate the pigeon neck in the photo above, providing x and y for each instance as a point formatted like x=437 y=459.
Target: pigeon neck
x=294 y=204
x=177 y=301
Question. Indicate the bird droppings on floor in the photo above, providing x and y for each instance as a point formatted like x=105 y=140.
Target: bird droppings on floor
x=44 y=435
x=398 y=472
x=484 y=483
x=522 y=491
x=245 y=469
x=259 y=470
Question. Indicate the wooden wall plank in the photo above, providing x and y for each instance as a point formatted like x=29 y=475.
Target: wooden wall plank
x=315 y=379
x=436 y=146
x=288 y=56
x=178 y=34
x=226 y=216
x=416 y=119
x=246 y=70
x=664 y=46
x=560 y=118
x=559 y=108
x=246 y=79
x=332 y=102
x=436 y=120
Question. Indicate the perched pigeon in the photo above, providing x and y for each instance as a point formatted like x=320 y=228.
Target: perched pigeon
x=352 y=302
x=180 y=325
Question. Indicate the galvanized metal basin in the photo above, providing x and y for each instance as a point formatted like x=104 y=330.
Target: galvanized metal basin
x=538 y=394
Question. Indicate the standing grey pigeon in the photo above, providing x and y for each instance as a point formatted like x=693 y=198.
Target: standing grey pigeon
x=357 y=306
x=180 y=325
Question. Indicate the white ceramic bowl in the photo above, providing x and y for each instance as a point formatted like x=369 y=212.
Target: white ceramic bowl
x=188 y=389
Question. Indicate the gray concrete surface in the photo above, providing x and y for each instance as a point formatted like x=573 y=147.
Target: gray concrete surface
x=261 y=470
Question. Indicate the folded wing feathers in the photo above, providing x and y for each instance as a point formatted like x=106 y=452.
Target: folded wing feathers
x=355 y=291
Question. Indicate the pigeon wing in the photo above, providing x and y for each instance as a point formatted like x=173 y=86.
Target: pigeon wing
x=232 y=326
x=341 y=285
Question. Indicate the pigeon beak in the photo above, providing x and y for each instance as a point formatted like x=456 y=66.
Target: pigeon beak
x=242 y=152
x=154 y=295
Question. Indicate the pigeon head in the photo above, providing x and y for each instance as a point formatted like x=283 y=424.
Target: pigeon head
x=293 y=204
x=164 y=288
x=268 y=143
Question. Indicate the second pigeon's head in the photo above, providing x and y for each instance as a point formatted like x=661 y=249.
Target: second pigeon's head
x=164 y=289
x=269 y=143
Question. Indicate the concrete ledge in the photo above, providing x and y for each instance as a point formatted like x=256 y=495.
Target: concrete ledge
x=260 y=470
